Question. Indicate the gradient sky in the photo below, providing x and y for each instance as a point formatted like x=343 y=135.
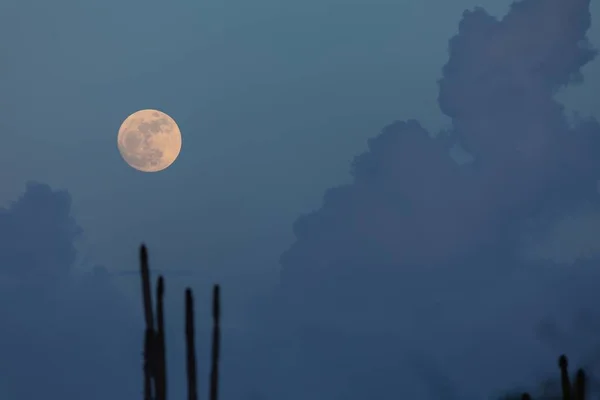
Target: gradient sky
x=274 y=99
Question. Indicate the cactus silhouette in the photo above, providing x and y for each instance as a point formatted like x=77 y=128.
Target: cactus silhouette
x=580 y=385
x=216 y=339
x=161 y=372
x=190 y=346
x=565 y=382
x=576 y=391
x=154 y=354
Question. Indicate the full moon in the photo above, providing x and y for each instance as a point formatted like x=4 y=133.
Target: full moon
x=149 y=140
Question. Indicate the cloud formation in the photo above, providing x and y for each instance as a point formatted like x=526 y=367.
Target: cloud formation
x=416 y=236
x=37 y=235
x=411 y=204
x=64 y=335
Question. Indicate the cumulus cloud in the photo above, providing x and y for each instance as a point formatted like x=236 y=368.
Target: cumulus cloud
x=418 y=238
x=37 y=234
x=63 y=335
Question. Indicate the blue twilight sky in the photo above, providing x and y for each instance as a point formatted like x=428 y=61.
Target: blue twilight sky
x=274 y=100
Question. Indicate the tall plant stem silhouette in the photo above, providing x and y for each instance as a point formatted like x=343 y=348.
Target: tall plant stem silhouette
x=155 y=364
x=216 y=339
x=577 y=391
x=149 y=360
x=190 y=346
x=161 y=371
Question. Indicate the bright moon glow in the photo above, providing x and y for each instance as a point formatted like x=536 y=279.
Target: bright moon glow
x=149 y=140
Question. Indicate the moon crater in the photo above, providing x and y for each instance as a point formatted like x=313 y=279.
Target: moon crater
x=149 y=140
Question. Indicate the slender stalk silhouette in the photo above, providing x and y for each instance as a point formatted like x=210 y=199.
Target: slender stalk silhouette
x=149 y=359
x=577 y=391
x=564 y=377
x=154 y=353
x=580 y=385
x=161 y=372
x=148 y=395
x=190 y=346
x=154 y=367
x=216 y=339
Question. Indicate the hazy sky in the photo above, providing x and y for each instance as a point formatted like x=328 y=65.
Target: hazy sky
x=274 y=100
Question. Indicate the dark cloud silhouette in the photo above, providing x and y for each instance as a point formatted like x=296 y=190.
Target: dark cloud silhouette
x=418 y=238
x=408 y=192
x=37 y=235
x=412 y=204
x=65 y=334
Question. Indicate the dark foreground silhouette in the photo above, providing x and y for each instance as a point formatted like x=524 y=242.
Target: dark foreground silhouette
x=155 y=368
x=575 y=391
